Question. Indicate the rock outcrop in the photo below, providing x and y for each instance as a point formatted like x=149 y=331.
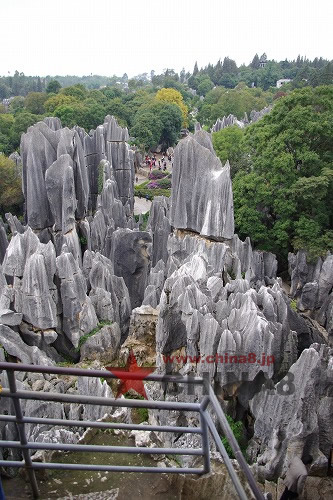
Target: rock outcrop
x=201 y=199
x=312 y=287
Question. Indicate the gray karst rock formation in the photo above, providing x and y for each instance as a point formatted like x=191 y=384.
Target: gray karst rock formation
x=227 y=121
x=295 y=414
x=131 y=252
x=159 y=227
x=78 y=314
x=312 y=286
x=231 y=120
x=201 y=198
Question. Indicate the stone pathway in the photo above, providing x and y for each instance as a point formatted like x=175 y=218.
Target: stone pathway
x=141 y=205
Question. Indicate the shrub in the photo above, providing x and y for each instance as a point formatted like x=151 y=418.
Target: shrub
x=238 y=431
x=153 y=185
x=164 y=183
x=157 y=174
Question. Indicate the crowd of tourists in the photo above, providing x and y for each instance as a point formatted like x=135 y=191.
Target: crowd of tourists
x=152 y=162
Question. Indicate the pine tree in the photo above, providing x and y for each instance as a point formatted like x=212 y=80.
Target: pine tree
x=255 y=64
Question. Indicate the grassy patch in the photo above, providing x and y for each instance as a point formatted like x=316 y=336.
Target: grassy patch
x=139 y=415
x=66 y=363
x=238 y=431
x=85 y=337
x=293 y=305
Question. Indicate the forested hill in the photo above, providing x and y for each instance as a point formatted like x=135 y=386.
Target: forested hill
x=261 y=72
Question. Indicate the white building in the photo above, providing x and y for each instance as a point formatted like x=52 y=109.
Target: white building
x=279 y=83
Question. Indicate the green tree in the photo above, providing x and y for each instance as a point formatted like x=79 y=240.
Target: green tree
x=11 y=197
x=93 y=114
x=228 y=145
x=284 y=197
x=6 y=124
x=57 y=100
x=255 y=64
x=17 y=104
x=70 y=114
x=34 y=102
x=4 y=91
x=53 y=87
x=171 y=118
x=147 y=129
x=158 y=122
x=205 y=86
x=78 y=91
x=173 y=96
x=21 y=123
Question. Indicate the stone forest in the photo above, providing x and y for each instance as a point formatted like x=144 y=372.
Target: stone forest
x=83 y=283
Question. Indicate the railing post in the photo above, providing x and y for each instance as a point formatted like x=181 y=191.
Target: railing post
x=204 y=435
x=227 y=462
x=22 y=435
x=234 y=446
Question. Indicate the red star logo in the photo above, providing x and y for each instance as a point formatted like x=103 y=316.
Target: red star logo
x=131 y=376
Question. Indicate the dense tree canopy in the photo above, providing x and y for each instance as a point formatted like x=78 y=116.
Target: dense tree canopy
x=228 y=144
x=34 y=102
x=173 y=96
x=53 y=87
x=157 y=123
x=221 y=102
x=283 y=198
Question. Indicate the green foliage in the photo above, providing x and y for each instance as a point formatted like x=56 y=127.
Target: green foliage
x=5 y=91
x=34 y=103
x=145 y=218
x=70 y=114
x=157 y=122
x=11 y=197
x=17 y=104
x=221 y=102
x=78 y=91
x=142 y=191
x=83 y=240
x=22 y=122
x=228 y=144
x=53 y=87
x=54 y=101
x=84 y=338
x=139 y=415
x=293 y=305
x=283 y=197
x=238 y=431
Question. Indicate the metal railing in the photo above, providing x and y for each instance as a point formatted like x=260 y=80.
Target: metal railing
x=206 y=425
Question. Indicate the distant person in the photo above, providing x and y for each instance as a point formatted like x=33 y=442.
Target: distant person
x=136 y=179
x=164 y=164
x=295 y=477
x=147 y=197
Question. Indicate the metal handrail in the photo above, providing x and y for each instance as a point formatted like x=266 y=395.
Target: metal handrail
x=206 y=425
